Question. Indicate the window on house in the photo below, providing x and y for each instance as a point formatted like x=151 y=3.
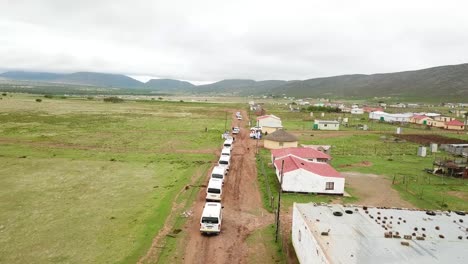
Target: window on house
x=330 y=186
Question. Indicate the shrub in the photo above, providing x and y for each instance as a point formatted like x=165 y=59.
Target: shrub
x=113 y=99
x=4 y=94
x=38 y=100
x=48 y=96
x=90 y=98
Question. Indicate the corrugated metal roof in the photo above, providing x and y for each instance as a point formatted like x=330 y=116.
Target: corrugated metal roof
x=292 y=163
x=305 y=153
x=360 y=237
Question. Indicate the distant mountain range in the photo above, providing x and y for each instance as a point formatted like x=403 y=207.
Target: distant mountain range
x=438 y=82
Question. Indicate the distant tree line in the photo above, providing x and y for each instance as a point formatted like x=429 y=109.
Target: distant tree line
x=113 y=99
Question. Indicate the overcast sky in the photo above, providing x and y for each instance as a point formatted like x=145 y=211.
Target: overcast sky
x=204 y=41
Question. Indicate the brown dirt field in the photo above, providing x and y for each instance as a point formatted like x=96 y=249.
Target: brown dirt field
x=461 y=195
x=364 y=163
x=243 y=210
x=374 y=190
x=426 y=139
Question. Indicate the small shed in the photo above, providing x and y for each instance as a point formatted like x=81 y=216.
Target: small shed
x=420 y=119
x=301 y=175
x=326 y=125
x=357 y=111
x=279 y=139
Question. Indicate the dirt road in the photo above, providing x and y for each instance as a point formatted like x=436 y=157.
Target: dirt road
x=243 y=211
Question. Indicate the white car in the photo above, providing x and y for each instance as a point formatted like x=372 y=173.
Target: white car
x=224 y=161
x=236 y=130
x=214 y=191
x=239 y=118
x=212 y=216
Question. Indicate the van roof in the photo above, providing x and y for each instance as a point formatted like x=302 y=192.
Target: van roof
x=226 y=158
x=226 y=150
x=211 y=210
x=215 y=183
x=218 y=169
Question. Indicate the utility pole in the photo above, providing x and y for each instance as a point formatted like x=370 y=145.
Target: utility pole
x=279 y=201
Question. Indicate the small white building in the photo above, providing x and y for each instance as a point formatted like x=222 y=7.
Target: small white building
x=326 y=124
x=269 y=123
x=391 y=118
x=301 y=175
x=337 y=234
x=357 y=111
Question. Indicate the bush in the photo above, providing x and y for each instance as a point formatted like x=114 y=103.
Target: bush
x=90 y=98
x=48 y=96
x=4 y=94
x=38 y=100
x=63 y=97
x=113 y=99
x=160 y=98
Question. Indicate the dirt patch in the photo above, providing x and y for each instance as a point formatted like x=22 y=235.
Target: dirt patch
x=459 y=194
x=364 y=163
x=374 y=190
x=426 y=139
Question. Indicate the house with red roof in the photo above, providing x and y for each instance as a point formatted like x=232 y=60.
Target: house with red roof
x=420 y=119
x=269 y=123
x=454 y=125
x=301 y=175
x=309 y=154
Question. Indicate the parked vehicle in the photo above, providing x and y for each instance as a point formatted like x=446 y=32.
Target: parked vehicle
x=218 y=172
x=214 y=191
x=212 y=216
x=224 y=161
x=239 y=117
x=236 y=130
x=226 y=152
x=228 y=143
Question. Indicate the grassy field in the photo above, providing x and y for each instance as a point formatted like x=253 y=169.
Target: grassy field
x=83 y=181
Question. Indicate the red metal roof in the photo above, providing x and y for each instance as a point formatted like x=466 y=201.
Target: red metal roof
x=305 y=153
x=292 y=163
x=372 y=109
x=454 y=123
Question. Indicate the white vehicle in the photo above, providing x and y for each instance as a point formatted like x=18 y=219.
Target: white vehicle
x=224 y=161
x=218 y=172
x=239 y=117
x=226 y=152
x=228 y=143
x=212 y=216
x=236 y=130
x=214 y=191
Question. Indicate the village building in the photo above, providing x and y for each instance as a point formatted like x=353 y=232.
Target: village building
x=326 y=125
x=436 y=123
x=279 y=139
x=269 y=123
x=309 y=154
x=338 y=234
x=454 y=125
x=301 y=175
x=357 y=111
x=444 y=118
x=420 y=119
x=391 y=118
x=368 y=109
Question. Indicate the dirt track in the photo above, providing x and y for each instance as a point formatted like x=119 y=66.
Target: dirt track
x=243 y=211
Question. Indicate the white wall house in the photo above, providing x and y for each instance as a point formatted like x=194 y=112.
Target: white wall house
x=326 y=125
x=269 y=123
x=357 y=111
x=362 y=235
x=301 y=175
x=387 y=117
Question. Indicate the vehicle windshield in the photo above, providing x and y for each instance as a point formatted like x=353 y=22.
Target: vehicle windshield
x=213 y=190
x=217 y=176
x=223 y=162
x=227 y=145
x=210 y=220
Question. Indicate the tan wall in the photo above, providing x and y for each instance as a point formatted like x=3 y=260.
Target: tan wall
x=268 y=144
x=435 y=123
x=269 y=129
x=455 y=127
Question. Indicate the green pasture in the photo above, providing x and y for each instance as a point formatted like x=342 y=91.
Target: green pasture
x=83 y=181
